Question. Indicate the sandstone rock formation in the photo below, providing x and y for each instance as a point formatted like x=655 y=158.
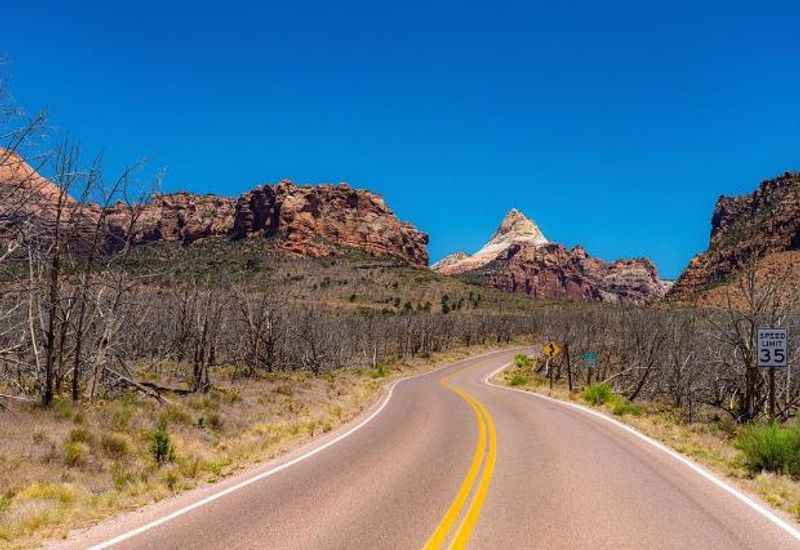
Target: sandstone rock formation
x=515 y=229
x=313 y=220
x=443 y=265
x=527 y=263
x=763 y=224
x=309 y=219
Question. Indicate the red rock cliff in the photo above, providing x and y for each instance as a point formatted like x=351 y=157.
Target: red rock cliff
x=314 y=220
x=764 y=223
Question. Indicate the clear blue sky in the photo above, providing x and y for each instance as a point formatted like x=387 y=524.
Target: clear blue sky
x=613 y=125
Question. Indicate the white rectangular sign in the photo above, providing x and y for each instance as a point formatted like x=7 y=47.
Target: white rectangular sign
x=773 y=348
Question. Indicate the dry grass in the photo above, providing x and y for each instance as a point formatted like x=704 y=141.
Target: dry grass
x=73 y=466
x=710 y=443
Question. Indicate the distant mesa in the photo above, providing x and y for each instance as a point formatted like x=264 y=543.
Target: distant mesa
x=518 y=258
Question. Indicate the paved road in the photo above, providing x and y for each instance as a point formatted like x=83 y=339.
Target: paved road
x=449 y=459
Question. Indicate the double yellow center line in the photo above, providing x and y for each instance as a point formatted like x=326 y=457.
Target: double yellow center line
x=485 y=455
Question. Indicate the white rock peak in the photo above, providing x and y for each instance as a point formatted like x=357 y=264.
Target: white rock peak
x=516 y=228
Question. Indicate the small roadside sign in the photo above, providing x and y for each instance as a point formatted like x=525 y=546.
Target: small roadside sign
x=551 y=350
x=589 y=359
x=772 y=346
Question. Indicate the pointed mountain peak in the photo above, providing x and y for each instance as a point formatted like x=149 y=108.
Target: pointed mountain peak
x=517 y=226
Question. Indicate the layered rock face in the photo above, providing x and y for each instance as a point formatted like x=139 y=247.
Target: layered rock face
x=515 y=229
x=762 y=224
x=25 y=195
x=308 y=219
x=527 y=263
x=314 y=220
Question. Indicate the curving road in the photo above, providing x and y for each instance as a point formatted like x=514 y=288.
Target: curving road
x=448 y=459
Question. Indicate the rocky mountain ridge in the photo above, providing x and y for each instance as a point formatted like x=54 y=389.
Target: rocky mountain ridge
x=312 y=220
x=761 y=225
x=519 y=259
x=515 y=229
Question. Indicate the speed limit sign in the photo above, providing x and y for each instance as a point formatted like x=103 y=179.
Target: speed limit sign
x=773 y=348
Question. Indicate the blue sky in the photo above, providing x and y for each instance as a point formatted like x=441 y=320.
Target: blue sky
x=614 y=126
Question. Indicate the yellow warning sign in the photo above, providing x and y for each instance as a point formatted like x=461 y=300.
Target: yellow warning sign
x=551 y=350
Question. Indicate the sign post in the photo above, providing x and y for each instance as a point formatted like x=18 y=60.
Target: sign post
x=589 y=363
x=773 y=353
x=551 y=351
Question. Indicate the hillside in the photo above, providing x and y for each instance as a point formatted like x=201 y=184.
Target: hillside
x=764 y=225
x=348 y=278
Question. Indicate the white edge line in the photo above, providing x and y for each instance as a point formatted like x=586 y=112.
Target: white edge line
x=211 y=498
x=766 y=513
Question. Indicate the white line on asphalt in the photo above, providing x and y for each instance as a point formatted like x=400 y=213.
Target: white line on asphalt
x=766 y=513
x=130 y=534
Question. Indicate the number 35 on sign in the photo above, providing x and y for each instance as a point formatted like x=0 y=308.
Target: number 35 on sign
x=772 y=347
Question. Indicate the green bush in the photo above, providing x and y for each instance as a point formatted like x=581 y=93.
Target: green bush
x=597 y=394
x=80 y=435
x=120 y=476
x=114 y=445
x=5 y=503
x=63 y=407
x=621 y=406
x=771 y=448
x=75 y=453
x=161 y=447
x=121 y=417
x=379 y=372
x=518 y=380
x=522 y=361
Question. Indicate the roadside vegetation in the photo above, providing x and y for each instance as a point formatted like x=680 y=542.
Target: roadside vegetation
x=72 y=465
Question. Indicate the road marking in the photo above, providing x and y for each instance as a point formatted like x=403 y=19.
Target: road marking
x=439 y=536
x=464 y=530
x=474 y=512
x=762 y=510
x=211 y=498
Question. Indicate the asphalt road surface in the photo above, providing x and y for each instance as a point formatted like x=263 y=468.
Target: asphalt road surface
x=448 y=460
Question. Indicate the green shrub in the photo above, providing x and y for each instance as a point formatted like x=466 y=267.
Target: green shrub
x=5 y=503
x=75 y=453
x=379 y=372
x=80 y=435
x=771 y=447
x=63 y=407
x=120 y=476
x=522 y=361
x=121 y=417
x=114 y=445
x=621 y=406
x=597 y=394
x=161 y=447
x=518 y=380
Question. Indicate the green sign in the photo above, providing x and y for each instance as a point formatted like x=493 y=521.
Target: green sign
x=589 y=359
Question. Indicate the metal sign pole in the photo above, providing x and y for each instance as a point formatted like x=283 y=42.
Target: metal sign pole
x=772 y=394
